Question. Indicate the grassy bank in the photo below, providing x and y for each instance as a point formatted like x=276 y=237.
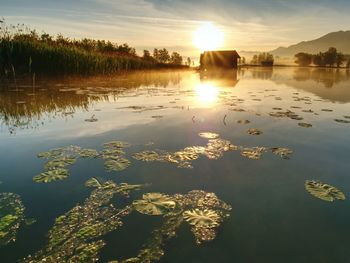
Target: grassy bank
x=26 y=52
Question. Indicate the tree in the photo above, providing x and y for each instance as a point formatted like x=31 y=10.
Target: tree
x=243 y=60
x=255 y=60
x=146 y=54
x=303 y=59
x=330 y=56
x=348 y=64
x=161 y=55
x=188 y=61
x=340 y=58
x=175 y=58
x=318 y=59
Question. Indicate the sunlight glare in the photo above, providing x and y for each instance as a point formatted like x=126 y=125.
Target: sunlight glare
x=206 y=94
x=208 y=37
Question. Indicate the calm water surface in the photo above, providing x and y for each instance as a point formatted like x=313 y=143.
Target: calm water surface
x=273 y=218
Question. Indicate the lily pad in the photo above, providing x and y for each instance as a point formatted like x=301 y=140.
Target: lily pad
x=154 y=204
x=305 y=125
x=117 y=165
x=208 y=135
x=202 y=218
x=323 y=191
x=341 y=121
x=93 y=182
x=116 y=144
x=146 y=156
x=253 y=153
x=282 y=152
x=51 y=175
x=243 y=121
x=254 y=131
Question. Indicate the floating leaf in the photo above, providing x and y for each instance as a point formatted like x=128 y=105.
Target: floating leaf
x=93 y=182
x=323 y=191
x=147 y=156
x=116 y=144
x=202 y=218
x=243 y=121
x=254 y=131
x=341 y=121
x=59 y=163
x=77 y=235
x=305 y=125
x=117 y=164
x=11 y=217
x=282 y=152
x=253 y=153
x=154 y=204
x=88 y=153
x=208 y=135
x=51 y=175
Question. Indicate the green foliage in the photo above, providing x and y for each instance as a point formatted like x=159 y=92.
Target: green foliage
x=25 y=51
x=329 y=58
x=323 y=191
x=11 y=217
x=303 y=59
x=264 y=59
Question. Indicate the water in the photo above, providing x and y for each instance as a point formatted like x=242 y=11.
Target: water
x=273 y=217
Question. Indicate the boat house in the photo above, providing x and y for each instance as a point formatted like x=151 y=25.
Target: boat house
x=219 y=59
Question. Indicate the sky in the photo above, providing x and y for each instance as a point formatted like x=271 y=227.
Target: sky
x=251 y=25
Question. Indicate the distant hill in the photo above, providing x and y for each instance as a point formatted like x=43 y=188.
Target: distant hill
x=339 y=40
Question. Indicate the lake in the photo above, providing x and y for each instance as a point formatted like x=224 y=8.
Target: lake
x=260 y=136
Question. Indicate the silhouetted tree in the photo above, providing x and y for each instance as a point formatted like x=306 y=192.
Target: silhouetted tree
x=303 y=59
x=348 y=64
x=330 y=56
x=188 y=61
x=161 y=55
x=176 y=58
x=318 y=59
x=340 y=58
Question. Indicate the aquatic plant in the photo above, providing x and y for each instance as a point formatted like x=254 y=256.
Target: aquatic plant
x=282 y=152
x=60 y=159
x=11 y=217
x=216 y=148
x=202 y=218
x=146 y=156
x=342 y=121
x=286 y=114
x=253 y=153
x=77 y=235
x=51 y=175
x=117 y=164
x=243 y=121
x=323 y=191
x=93 y=182
x=209 y=205
x=154 y=204
x=254 y=131
x=208 y=135
x=305 y=125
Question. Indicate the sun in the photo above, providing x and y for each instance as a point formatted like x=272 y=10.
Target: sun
x=208 y=37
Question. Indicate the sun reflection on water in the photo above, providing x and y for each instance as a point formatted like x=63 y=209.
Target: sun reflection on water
x=206 y=94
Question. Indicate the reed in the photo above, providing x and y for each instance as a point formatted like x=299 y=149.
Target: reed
x=29 y=52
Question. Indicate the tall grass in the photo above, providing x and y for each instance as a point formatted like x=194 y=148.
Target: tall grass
x=27 y=52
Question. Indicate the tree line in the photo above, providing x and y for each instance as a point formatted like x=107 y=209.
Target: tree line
x=24 y=50
x=329 y=58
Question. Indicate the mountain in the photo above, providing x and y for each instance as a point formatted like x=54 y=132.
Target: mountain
x=340 y=40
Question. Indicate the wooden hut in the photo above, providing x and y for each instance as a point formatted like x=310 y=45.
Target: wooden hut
x=219 y=59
